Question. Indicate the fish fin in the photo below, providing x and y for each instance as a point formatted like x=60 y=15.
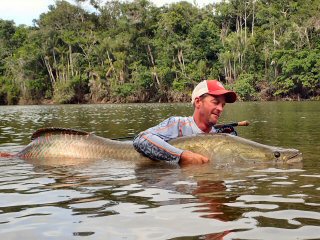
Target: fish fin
x=55 y=130
x=5 y=154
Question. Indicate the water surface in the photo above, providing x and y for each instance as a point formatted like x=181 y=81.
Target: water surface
x=109 y=199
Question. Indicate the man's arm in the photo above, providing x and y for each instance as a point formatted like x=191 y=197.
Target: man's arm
x=156 y=148
x=227 y=129
x=153 y=144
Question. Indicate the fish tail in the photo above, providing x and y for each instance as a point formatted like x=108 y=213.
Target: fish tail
x=5 y=154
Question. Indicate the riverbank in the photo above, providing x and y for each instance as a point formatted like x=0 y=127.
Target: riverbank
x=184 y=99
x=137 y=52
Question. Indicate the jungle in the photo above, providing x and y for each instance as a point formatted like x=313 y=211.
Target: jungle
x=138 y=52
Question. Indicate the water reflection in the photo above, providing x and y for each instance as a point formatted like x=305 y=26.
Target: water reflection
x=161 y=196
x=121 y=199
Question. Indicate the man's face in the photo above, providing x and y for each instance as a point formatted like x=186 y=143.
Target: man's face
x=210 y=108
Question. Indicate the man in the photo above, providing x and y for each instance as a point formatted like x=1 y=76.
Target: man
x=208 y=98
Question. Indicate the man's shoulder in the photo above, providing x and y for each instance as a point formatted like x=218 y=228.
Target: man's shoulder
x=175 y=121
x=179 y=119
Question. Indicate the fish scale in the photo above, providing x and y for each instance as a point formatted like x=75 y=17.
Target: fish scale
x=69 y=143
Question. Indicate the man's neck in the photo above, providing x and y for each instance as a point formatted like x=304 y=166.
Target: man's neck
x=202 y=126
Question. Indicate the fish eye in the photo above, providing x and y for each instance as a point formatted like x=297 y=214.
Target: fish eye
x=276 y=154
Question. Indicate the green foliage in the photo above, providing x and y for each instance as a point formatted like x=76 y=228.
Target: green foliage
x=141 y=76
x=177 y=19
x=36 y=88
x=135 y=51
x=299 y=72
x=179 y=86
x=20 y=36
x=204 y=37
x=124 y=90
x=9 y=93
x=244 y=87
x=63 y=92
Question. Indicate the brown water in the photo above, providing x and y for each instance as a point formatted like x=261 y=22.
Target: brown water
x=108 y=199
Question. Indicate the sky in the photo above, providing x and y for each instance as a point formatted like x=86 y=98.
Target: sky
x=24 y=11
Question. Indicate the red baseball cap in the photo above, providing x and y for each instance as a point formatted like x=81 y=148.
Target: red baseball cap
x=215 y=88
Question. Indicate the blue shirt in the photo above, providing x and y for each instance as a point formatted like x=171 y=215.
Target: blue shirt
x=154 y=141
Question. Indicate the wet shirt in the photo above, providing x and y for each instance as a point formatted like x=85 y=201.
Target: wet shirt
x=154 y=141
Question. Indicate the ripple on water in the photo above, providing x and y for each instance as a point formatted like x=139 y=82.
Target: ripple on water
x=269 y=198
x=119 y=200
x=304 y=232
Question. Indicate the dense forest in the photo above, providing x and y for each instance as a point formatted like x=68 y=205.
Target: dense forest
x=137 y=52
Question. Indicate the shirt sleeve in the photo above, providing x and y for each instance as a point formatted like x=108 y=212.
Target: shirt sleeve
x=154 y=141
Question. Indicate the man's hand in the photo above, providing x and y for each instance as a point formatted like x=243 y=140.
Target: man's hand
x=188 y=157
x=227 y=129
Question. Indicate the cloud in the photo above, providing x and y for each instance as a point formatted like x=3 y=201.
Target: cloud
x=24 y=11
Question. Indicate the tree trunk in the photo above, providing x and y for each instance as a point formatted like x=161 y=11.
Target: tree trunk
x=181 y=61
x=49 y=69
x=252 y=26
x=155 y=74
x=111 y=68
x=71 y=61
x=230 y=70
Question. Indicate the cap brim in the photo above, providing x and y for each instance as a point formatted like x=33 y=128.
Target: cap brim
x=230 y=96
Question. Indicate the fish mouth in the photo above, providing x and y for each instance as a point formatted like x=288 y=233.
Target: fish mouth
x=297 y=157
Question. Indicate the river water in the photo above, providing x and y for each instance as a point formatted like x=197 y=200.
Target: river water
x=109 y=199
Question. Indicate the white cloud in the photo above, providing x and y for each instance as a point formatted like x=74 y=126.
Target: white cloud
x=24 y=11
x=200 y=3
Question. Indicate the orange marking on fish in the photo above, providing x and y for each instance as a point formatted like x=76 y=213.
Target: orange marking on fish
x=4 y=154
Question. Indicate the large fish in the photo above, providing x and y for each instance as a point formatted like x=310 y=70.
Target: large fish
x=68 y=143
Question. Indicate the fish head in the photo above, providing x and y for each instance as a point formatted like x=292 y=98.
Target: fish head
x=228 y=148
x=270 y=154
x=256 y=152
x=286 y=155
